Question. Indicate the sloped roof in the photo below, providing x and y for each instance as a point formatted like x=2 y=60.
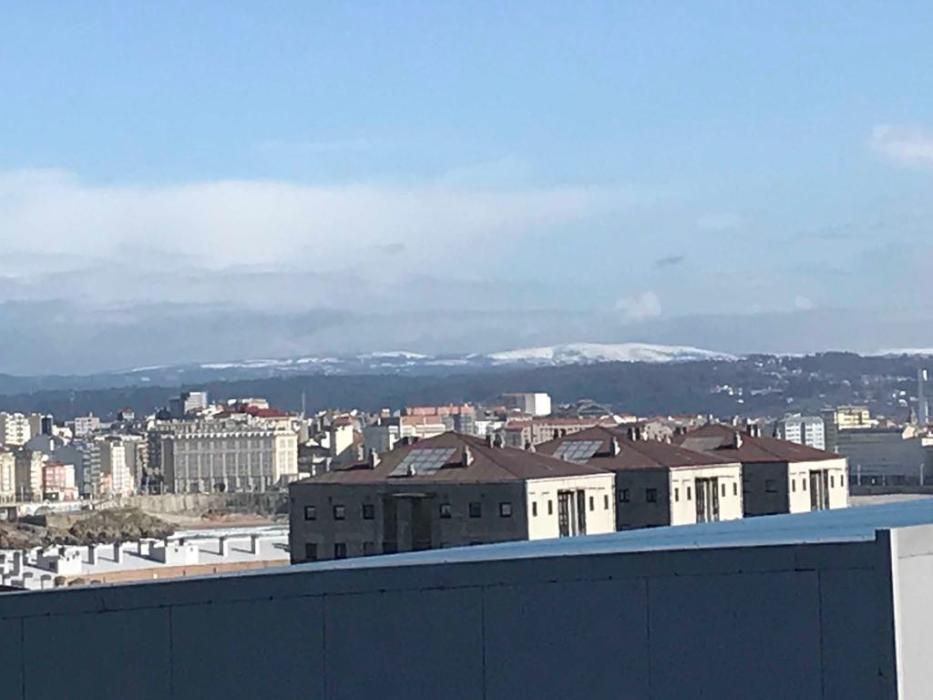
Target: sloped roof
x=488 y=464
x=634 y=454
x=720 y=440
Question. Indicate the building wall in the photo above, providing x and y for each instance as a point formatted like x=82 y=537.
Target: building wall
x=912 y=562
x=799 y=474
x=884 y=455
x=542 y=505
x=730 y=624
x=634 y=507
x=358 y=533
x=766 y=488
x=683 y=489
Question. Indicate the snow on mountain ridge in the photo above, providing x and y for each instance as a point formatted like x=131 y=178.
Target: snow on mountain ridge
x=585 y=353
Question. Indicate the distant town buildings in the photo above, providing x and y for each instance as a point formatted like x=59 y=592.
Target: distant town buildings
x=15 y=430
x=85 y=425
x=532 y=404
x=188 y=402
x=804 y=430
x=225 y=455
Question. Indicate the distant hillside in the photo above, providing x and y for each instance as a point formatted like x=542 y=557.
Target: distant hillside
x=759 y=385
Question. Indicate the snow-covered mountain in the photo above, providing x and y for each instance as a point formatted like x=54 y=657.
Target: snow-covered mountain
x=401 y=361
x=589 y=353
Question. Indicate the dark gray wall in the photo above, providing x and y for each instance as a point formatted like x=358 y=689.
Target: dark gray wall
x=769 y=623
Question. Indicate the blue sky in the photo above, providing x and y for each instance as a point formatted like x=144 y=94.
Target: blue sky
x=655 y=159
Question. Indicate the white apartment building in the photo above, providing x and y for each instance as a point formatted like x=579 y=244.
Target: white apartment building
x=447 y=491
x=777 y=476
x=532 y=404
x=85 y=425
x=803 y=430
x=15 y=430
x=656 y=483
x=7 y=475
x=114 y=466
x=206 y=456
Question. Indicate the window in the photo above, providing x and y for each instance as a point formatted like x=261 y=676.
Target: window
x=445 y=511
x=592 y=504
x=676 y=495
x=735 y=488
x=624 y=496
x=534 y=509
x=310 y=513
x=340 y=513
x=550 y=507
x=476 y=510
x=369 y=548
x=832 y=481
x=689 y=494
x=842 y=480
x=723 y=490
x=340 y=550
x=505 y=509
x=770 y=486
x=793 y=485
x=651 y=495
x=605 y=502
x=804 y=482
x=369 y=511
x=310 y=551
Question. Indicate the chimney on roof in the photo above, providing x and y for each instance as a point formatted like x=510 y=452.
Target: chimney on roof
x=737 y=439
x=615 y=447
x=753 y=430
x=373 y=459
x=634 y=433
x=680 y=430
x=489 y=439
x=411 y=470
x=360 y=452
x=467 y=456
x=530 y=447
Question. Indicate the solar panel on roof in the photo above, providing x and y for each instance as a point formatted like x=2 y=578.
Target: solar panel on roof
x=577 y=450
x=423 y=461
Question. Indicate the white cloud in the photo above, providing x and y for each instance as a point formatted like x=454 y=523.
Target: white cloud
x=802 y=303
x=902 y=144
x=640 y=307
x=274 y=225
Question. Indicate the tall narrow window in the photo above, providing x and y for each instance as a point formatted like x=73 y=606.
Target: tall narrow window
x=651 y=495
x=310 y=551
x=340 y=550
x=476 y=509
x=340 y=513
x=369 y=511
x=310 y=513
x=534 y=509
x=606 y=502
x=505 y=510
